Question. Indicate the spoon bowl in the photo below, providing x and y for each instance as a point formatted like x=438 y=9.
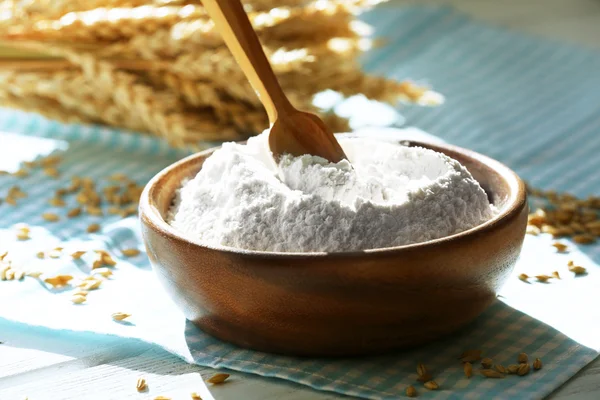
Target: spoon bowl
x=304 y=133
x=338 y=304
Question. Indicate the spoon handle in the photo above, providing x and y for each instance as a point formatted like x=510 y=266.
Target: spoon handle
x=232 y=21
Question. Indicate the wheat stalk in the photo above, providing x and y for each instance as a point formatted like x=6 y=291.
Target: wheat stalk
x=219 y=65
x=104 y=24
x=9 y=97
x=296 y=29
x=72 y=91
x=38 y=9
x=159 y=65
x=302 y=72
x=309 y=25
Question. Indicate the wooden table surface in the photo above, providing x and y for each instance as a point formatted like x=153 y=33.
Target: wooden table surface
x=46 y=365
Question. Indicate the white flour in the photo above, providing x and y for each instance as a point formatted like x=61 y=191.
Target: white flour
x=395 y=195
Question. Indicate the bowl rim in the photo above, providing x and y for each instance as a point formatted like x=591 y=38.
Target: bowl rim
x=516 y=201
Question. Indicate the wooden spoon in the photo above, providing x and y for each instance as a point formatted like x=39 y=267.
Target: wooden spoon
x=292 y=131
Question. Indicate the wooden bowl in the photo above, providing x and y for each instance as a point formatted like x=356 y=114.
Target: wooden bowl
x=338 y=304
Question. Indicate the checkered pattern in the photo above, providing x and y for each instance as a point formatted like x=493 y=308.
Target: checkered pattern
x=499 y=333
x=529 y=103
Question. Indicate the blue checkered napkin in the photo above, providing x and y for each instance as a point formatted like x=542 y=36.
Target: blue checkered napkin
x=525 y=101
x=501 y=333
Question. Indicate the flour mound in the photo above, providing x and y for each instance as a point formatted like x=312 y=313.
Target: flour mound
x=389 y=195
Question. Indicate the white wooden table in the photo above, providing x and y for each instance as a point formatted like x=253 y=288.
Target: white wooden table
x=45 y=365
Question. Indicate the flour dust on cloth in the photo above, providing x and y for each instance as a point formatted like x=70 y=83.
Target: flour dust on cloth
x=387 y=195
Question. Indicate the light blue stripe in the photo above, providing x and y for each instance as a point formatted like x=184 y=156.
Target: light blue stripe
x=410 y=46
x=414 y=18
x=452 y=126
x=578 y=157
x=407 y=28
x=537 y=112
x=481 y=81
x=566 y=143
x=502 y=100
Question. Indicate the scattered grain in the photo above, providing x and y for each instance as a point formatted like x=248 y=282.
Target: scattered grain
x=127 y=211
x=16 y=192
x=21 y=173
x=500 y=368
x=543 y=278
x=10 y=274
x=3 y=271
x=523 y=277
x=119 y=316
x=537 y=364
x=105 y=272
x=564 y=215
x=92 y=228
x=51 y=172
x=431 y=385
x=522 y=358
x=491 y=373
x=21 y=235
x=523 y=370
x=55 y=253
x=56 y=202
x=584 y=239
x=51 y=217
x=218 y=378
x=421 y=369
x=468 y=369
x=87 y=182
x=34 y=274
x=106 y=257
x=91 y=284
x=82 y=198
x=75 y=185
x=487 y=363
x=140 y=385
x=577 y=270
x=74 y=212
x=130 y=252
x=196 y=396
x=410 y=391
x=560 y=247
x=97 y=263
x=114 y=210
x=95 y=211
x=162 y=398
x=50 y=161
x=77 y=254
x=118 y=177
x=59 y=280
x=556 y=275
x=570 y=263
x=78 y=299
